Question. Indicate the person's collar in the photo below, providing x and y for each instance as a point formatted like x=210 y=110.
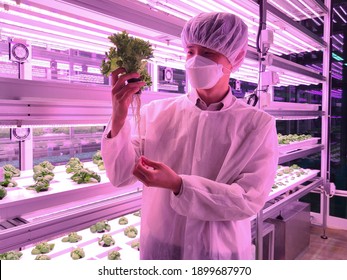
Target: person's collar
x=225 y=103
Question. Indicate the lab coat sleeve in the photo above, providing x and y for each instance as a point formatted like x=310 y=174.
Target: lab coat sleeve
x=119 y=155
x=208 y=200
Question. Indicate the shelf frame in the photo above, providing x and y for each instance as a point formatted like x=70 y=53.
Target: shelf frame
x=300 y=153
x=68 y=221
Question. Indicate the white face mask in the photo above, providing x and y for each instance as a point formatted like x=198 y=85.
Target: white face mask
x=202 y=72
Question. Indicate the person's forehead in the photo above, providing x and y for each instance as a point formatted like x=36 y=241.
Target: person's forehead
x=195 y=46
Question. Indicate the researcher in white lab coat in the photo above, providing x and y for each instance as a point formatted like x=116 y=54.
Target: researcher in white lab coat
x=207 y=159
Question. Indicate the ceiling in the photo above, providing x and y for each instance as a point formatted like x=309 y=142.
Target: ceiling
x=86 y=24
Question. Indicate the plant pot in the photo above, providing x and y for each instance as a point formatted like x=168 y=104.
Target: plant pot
x=134 y=80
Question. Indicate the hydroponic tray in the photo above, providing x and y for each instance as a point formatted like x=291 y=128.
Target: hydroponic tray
x=89 y=243
x=62 y=189
x=297 y=145
x=290 y=181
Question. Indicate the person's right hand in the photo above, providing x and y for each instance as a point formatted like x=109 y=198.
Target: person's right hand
x=122 y=95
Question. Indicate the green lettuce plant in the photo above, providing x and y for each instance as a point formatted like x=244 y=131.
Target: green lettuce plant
x=130 y=53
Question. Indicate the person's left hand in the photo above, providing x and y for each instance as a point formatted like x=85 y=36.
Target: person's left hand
x=157 y=174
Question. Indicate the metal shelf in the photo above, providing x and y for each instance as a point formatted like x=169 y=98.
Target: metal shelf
x=273 y=210
x=300 y=153
x=69 y=220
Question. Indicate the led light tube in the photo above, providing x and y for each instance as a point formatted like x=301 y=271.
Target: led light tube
x=240 y=8
x=188 y=2
x=58 y=16
x=341 y=17
x=302 y=11
x=342 y=9
x=298 y=81
x=49 y=31
x=299 y=40
x=217 y=7
x=178 y=8
x=58 y=24
x=284 y=10
x=273 y=49
x=223 y=8
x=338 y=48
x=47 y=40
x=278 y=36
x=341 y=43
x=81 y=30
x=172 y=12
x=312 y=10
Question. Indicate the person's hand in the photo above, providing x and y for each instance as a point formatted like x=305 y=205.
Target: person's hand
x=157 y=174
x=122 y=95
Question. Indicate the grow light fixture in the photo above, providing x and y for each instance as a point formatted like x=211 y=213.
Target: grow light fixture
x=337 y=57
x=341 y=17
x=45 y=39
x=336 y=39
x=62 y=34
x=302 y=11
x=198 y=6
x=299 y=40
x=337 y=48
x=185 y=11
x=172 y=12
x=57 y=16
x=284 y=10
x=55 y=23
x=311 y=10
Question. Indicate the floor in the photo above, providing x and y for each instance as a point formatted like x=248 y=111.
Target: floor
x=332 y=248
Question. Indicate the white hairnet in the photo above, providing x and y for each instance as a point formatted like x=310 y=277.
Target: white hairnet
x=222 y=32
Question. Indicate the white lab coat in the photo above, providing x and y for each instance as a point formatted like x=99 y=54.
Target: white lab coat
x=227 y=160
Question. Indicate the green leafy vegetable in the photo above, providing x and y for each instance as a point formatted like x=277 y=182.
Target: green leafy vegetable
x=42 y=248
x=113 y=255
x=11 y=255
x=42 y=258
x=123 y=220
x=101 y=226
x=106 y=240
x=85 y=175
x=130 y=53
x=72 y=237
x=77 y=253
x=13 y=170
x=130 y=231
x=97 y=159
x=73 y=165
x=3 y=192
x=43 y=175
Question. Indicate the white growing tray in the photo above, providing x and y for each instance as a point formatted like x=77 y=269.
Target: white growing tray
x=297 y=145
x=89 y=243
x=292 y=183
